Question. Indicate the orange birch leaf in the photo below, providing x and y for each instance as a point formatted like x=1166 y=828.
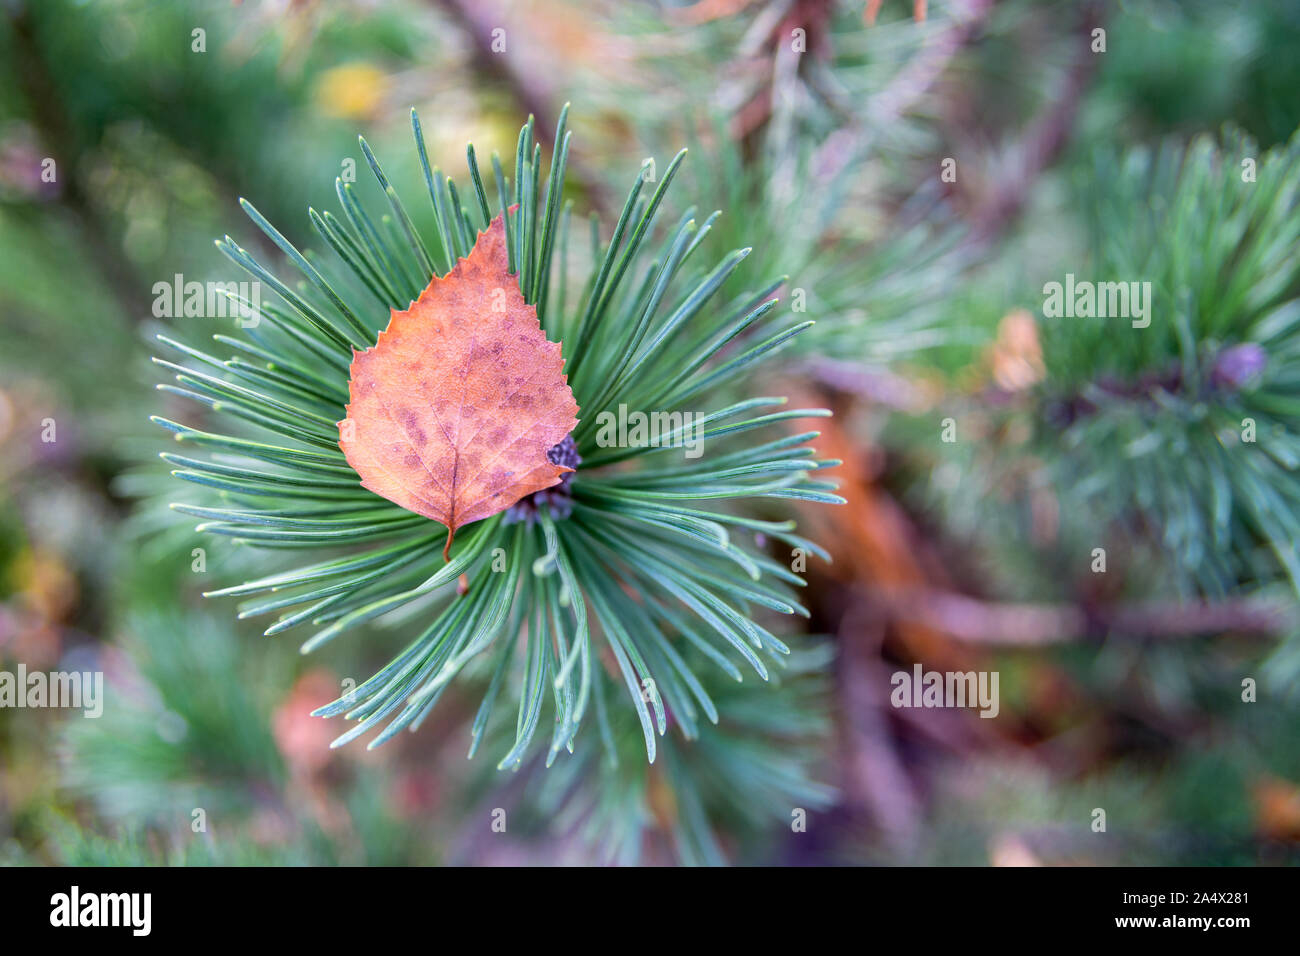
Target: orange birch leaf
x=454 y=408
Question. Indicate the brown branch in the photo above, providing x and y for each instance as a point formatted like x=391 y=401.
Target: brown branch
x=1036 y=625
x=874 y=775
x=911 y=83
x=1045 y=139
x=532 y=90
x=48 y=114
x=908 y=87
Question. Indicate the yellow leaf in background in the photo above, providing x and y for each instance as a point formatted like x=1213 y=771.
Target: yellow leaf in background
x=46 y=585
x=351 y=91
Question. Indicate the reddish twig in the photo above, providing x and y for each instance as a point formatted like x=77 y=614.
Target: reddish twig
x=1033 y=625
x=1045 y=139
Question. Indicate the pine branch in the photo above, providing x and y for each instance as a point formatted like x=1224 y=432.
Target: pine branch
x=633 y=576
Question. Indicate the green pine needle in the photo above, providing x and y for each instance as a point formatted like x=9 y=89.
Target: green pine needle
x=652 y=571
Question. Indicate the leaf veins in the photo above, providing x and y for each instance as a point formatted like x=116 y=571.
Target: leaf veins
x=454 y=408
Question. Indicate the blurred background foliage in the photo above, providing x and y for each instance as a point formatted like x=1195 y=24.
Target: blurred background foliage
x=823 y=149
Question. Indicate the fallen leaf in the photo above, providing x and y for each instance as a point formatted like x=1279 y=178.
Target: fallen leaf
x=873 y=10
x=1277 y=808
x=454 y=408
x=1016 y=357
x=304 y=740
x=1008 y=849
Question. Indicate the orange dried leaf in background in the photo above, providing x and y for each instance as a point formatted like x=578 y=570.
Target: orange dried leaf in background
x=1016 y=357
x=453 y=410
x=873 y=10
x=1277 y=808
